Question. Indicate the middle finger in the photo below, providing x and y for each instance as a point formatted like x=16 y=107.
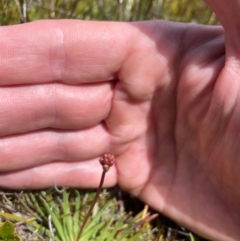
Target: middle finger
x=35 y=107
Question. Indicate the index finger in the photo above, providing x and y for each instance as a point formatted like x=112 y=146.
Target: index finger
x=68 y=51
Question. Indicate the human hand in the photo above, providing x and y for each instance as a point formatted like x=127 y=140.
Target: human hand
x=156 y=94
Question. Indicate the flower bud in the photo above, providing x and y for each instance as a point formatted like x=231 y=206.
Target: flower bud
x=107 y=160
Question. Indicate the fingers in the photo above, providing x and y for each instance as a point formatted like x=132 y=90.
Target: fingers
x=30 y=108
x=82 y=174
x=66 y=51
x=38 y=148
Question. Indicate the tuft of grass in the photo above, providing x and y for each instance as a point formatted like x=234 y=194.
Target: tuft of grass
x=17 y=11
x=51 y=215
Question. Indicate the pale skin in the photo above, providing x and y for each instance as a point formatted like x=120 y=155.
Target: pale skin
x=163 y=97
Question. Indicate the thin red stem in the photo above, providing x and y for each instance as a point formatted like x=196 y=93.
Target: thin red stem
x=92 y=205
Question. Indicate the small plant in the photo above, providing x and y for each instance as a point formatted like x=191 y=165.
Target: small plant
x=107 y=160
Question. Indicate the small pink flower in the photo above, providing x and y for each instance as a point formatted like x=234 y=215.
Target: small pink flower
x=107 y=160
